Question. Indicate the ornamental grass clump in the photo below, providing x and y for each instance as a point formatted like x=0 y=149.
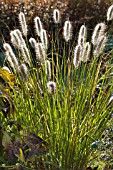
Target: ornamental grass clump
x=63 y=97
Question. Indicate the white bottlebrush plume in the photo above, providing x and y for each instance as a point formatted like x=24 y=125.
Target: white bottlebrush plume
x=25 y=54
x=8 y=58
x=32 y=42
x=40 y=52
x=23 y=24
x=7 y=47
x=15 y=39
x=10 y=55
x=81 y=41
x=44 y=39
x=56 y=16
x=51 y=85
x=48 y=68
x=99 y=31
x=19 y=35
x=100 y=45
x=23 y=72
x=77 y=55
x=19 y=42
x=110 y=13
x=82 y=35
x=67 y=30
x=38 y=25
x=86 y=52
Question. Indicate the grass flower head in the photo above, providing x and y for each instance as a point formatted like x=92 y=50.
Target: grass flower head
x=77 y=55
x=56 y=16
x=100 y=45
x=51 y=85
x=10 y=56
x=23 y=72
x=48 y=68
x=38 y=25
x=23 y=24
x=82 y=35
x=110 y=13
x=40 y=52
x=99 y=31
x=67 y=31
x=15 y=39
x=32 y=42
x=86 y=52
x=44 y=40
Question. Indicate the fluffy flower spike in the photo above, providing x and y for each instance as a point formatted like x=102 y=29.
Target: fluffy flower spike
x=99 y=31
x=100 y=45
x=110 y=13
x=86 y=52
x=10 y=56
x=56 y=16
x=48 y=68
x=51 y=85
x=77 y=55
x=23 y=72
x=44 y=40
x=40 y=52
x=32 y=42
x=67 y=31
x=82 y=35
x=38 y=25
x=23 y=24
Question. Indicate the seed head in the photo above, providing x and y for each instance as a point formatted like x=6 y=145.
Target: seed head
x=99 y=30
x=40 y=52
x=56 y=16
x=100 y=45
x=19 y=34
x=110 y=13
x=10 y=56
x=25 y=54
x=48 y=68
x=38 y=25
x=15 y=39
x=82 y=35
x=51 y=85
x=86 y=52
x=77 y=55
x=44 y=40
x=23 y=24
x=32 y=42
x=23 y=72
x=19 y=42
x=67 y=31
